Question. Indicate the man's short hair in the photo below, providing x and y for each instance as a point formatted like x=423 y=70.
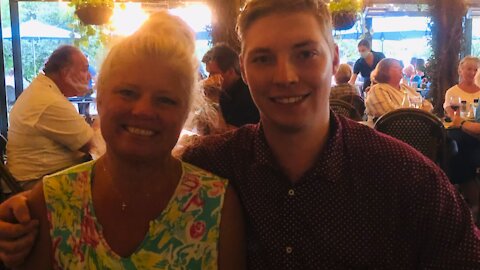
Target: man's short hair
x=382 y=75
x=365 y=43
x=59 y=59
x=225 y=57
x=256 y=9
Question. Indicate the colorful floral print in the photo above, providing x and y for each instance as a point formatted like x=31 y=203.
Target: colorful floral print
x=184 y=236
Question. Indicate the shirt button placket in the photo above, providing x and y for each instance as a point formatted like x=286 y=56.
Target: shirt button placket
x=289 y=214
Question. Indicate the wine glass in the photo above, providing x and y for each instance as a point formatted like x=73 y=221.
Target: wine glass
x=454 y=102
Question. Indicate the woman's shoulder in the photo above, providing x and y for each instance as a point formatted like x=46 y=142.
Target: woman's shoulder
x=455 y=88
x=85 y=167
x=190 y=170
x=71 y=179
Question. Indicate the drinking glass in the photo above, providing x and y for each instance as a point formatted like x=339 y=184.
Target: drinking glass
x=416 y=102
x=455 y=102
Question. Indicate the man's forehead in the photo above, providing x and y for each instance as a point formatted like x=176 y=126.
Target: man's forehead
x=79 y=58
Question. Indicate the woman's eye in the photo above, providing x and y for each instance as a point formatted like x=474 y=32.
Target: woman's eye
x=166 y=100
x=126 y=93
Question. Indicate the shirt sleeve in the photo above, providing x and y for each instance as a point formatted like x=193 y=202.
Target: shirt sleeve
x=62 y=123
x=379 y=101
x=357 y=67
x=447 y=98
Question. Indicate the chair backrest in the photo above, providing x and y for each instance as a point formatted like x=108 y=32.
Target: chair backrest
x=3 y=148
x=5 y=176
x=420 y=129
x=356 y=101
x=344 y=108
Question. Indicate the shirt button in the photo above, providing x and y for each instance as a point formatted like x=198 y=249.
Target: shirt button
x=291 y=192
x=288 y=250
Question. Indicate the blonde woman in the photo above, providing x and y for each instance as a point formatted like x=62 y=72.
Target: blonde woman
x=138 y=207
x=466 y=90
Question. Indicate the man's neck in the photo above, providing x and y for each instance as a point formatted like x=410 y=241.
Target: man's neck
x=297 y=152
x=228 y=83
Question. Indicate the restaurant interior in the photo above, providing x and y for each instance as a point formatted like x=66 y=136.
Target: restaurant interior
x=402 y=66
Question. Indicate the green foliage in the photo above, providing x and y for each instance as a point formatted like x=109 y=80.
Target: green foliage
x=93 y=39
x=338 y=6
x=36 y=51
x=81 y=3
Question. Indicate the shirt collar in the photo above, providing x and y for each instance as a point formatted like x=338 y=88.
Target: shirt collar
x=329 y=161
x=44 y=79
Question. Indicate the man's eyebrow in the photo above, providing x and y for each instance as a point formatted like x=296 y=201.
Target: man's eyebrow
x=304 y=43
x=259 y=50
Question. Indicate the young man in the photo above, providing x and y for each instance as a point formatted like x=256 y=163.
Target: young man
x=311 y=198
x=366 y=63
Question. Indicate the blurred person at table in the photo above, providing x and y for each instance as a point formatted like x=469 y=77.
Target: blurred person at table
x=419 y=73
x=466 y=89
x=342 y=86
x=408 y=73
x=46 y=132
x=212 y=85
x=366 y=63
x=137 y=207
x=465 y=164
x=387 y=95
x=236 y=102
x=311 y=198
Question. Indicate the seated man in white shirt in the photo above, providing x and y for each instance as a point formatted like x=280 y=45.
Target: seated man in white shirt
x=46 y=132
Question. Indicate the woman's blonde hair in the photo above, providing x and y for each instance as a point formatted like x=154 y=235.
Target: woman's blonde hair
x=466 y=59
x=164 y=37
x=256 y=9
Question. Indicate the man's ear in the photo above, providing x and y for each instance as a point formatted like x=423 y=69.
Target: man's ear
x=64 y=72
x=335 y=59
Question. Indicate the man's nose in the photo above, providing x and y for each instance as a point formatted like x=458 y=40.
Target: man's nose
x=285 y=72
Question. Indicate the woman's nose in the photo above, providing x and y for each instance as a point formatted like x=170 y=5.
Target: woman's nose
x=144 y=107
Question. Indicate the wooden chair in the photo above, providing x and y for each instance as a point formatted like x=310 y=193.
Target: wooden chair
x=356 y=101
x=420 y=129
x=5 y=176
x=344 y=108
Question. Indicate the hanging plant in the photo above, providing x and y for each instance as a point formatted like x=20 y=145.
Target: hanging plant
x=93 y=12
x=344 y=13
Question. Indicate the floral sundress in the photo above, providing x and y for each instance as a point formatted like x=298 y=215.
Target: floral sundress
x=184 y=236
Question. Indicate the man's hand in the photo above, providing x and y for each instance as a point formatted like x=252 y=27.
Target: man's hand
x=16 y=238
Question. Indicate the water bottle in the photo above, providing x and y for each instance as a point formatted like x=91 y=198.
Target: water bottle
x=406 y=99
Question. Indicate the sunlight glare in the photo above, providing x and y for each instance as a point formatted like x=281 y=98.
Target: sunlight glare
x=127 y=18
x=197 y=16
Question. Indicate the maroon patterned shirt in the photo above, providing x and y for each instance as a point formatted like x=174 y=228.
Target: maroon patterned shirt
x=370 y=202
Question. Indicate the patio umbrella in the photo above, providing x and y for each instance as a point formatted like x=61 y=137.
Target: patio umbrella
x=35 y=30
x=391 y=28
x=38 y=29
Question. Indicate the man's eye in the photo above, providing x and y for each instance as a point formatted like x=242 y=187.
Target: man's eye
x=307 y=54
x=261 y=59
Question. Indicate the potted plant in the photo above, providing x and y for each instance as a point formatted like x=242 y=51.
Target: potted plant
x=93 y=12
x=344 y=13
